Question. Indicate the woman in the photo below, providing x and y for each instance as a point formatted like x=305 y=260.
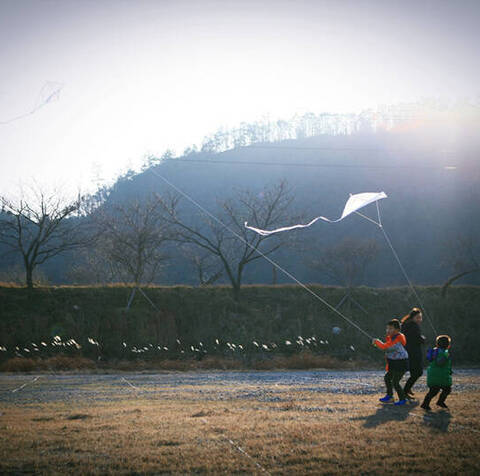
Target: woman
x=415 y=340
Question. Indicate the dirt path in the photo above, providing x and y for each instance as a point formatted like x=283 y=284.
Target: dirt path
x=263 y=386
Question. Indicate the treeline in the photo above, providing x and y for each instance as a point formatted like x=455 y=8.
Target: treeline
x=302 y=126
x=185 y=322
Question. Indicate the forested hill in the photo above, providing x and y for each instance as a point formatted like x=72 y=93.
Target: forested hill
x=429 y=203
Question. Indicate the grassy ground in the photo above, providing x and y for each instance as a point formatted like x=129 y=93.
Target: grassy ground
x=222 y=423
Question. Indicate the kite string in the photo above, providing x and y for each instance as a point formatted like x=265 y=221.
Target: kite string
x=378 y=214
x=395 y=254
x=412 y=287
x=271 y=261
x=148 y=299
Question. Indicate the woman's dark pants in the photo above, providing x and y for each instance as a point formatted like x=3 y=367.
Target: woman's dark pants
x=415 y=374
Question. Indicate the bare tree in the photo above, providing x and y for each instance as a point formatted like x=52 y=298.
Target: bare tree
x=91 y=266
x=266 y=209
x=16 y=274
x=133 y=238
x=346 y=262
x=41 y=225
x=462 y=255
x=207 y=268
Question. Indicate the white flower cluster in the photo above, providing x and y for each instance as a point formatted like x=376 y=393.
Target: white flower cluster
x=217 y=345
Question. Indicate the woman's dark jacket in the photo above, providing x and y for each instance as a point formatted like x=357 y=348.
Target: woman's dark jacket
x=415 y=342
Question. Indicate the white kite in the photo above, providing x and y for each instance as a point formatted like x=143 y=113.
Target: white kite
x=354 y=203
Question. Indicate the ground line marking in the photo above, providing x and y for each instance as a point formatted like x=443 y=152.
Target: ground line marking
x=131 y=385
x=25 y=384
x=241 y=450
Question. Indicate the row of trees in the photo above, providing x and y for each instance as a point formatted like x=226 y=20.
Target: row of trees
x=301 y=126
x=311 y=125
x=128 y=242
x=132 y=241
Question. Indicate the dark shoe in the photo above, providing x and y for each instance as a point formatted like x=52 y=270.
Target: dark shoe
x=442 y=404
x=426 y=407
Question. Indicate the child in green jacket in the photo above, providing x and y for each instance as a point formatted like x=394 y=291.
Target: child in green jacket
x=439 y=373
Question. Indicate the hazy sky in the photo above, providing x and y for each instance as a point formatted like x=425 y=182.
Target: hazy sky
x=141 y=76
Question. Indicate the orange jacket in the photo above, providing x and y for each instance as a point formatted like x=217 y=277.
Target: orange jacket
x=394 y=347
x=390 y=342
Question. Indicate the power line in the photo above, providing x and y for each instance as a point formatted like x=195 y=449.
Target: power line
x=299 y=147
x=312 y=165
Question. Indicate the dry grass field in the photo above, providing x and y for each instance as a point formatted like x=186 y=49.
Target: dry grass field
x=323 y=422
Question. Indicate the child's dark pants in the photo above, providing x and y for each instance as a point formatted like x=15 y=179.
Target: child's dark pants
x=433 y=391
x=392 y=380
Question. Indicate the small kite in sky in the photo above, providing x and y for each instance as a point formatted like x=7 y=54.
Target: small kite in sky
x=354 y=203
x=50 y=92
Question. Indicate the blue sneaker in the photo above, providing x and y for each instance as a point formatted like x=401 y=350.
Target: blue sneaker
x=400 y=402
x=386 y=399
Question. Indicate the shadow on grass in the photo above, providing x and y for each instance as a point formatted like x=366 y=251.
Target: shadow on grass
x=385 y=414
x=438 y=421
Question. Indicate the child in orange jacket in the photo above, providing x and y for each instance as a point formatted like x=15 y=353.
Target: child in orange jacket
x=397 y=361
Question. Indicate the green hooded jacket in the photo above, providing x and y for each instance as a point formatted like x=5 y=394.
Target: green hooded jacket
x=439 y=373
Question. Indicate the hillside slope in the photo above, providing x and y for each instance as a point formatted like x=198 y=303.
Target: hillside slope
x=428 y=203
